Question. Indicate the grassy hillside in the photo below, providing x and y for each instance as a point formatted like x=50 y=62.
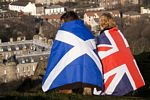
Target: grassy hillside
x=31 y=88
x=54 y=96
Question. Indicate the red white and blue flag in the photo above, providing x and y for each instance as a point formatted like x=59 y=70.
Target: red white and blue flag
x=73 y=58
x=121 y=73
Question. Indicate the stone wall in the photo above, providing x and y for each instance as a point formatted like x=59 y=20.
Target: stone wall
x=26 y=70
x=19 y=59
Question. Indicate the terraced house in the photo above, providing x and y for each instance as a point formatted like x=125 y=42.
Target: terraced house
x=110 y=4
x=19 y=59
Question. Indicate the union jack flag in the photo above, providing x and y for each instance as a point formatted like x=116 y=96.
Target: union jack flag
x=121 y=73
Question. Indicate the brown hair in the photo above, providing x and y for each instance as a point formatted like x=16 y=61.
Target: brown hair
x=69 y=16
x=107 y=21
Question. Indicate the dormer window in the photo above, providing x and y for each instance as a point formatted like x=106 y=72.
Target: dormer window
x=9 y=48
x=23 y=61
x=17 y=48
x=1 y=49
x=32 y=60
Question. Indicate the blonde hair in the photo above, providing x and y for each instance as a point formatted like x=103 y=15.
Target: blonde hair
x=107 y=21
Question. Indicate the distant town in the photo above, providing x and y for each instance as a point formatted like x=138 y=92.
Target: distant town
x=89 y=10
x=28 y=28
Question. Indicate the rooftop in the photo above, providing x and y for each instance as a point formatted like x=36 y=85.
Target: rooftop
x=19 y=3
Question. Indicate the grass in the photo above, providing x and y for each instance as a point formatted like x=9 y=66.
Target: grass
x=57 y=96
x=31 y=89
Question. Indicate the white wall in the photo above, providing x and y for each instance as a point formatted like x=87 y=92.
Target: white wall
x=145 y=11
x=16 y=8
x=49 y=11
x=30 y=8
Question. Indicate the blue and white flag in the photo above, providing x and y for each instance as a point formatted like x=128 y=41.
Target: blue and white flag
x=73 y=58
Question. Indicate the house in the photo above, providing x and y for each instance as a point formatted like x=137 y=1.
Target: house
x=95 y=9
x=131 y=17
x=90 y=15
x=55 y=1
x=54 y=9
x=91 y=18
x=131 y=14
x=145 y=11
x=109 y=4
x=95 y=25
x=8 y=0
x=21 y=57
x=39 y=9
x=54 y=19
x=20 y=6
x=27 y=7
x=128 y=2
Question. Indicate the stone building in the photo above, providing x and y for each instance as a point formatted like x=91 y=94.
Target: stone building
x=26 y=7
x=8 y=0
x=110 y=4
x=54 y=9
x=52 y=1
x=91 y=18
x=19 y=59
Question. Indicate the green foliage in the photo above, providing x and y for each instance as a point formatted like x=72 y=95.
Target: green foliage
x=143 y=61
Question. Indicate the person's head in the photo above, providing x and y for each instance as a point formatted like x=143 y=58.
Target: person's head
x=69 y=16
x=106 y=21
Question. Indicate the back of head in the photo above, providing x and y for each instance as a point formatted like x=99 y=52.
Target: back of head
x=107 y=21
x=69 y=16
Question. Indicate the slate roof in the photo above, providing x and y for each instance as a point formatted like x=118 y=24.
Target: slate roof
x=19 y=3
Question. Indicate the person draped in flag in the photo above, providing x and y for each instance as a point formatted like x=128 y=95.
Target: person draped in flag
x=73 y=61
x=121 y=73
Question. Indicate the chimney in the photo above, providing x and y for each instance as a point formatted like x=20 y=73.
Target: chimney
x=9 y=48
x=17 y=48
x=11 y=39
x=32 y=60
x=24 y=38
x=18 y=38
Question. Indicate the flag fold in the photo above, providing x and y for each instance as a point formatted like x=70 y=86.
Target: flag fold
x=73 y=58
x=121 y=73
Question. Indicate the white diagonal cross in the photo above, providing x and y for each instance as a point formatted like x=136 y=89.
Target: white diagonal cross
x=80 y=48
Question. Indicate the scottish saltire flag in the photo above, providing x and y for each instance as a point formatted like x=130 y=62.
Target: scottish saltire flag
x=121 y=73
x=73 y=58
